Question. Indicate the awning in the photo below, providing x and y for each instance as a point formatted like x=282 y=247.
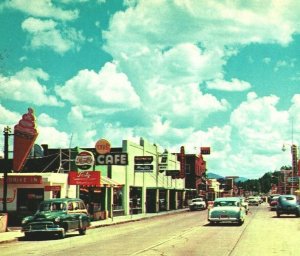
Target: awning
x=108 y=182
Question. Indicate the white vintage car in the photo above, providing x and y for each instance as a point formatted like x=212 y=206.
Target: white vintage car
x=197 y=204
x=227 y=209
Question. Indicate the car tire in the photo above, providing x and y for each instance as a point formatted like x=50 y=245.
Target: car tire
x=278 y=214
x=28 y=236
x=240 y=222
x=62 y=234
x=297 y=214
x=82 y=231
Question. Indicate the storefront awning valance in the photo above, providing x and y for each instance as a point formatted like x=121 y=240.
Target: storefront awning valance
x=108 y=182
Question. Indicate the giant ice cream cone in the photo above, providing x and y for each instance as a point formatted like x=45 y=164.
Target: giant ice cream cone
x=25 y=133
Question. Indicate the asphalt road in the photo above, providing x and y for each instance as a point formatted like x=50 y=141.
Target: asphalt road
x=186 y=233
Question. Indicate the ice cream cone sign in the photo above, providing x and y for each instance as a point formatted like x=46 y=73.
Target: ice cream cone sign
x=25 y=134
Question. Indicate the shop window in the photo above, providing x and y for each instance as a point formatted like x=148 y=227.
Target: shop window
x=28 y=199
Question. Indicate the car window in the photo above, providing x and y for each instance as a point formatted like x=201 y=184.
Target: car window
x=70 y=206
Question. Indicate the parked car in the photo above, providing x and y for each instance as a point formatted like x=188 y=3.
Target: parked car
x=227 y=209
x=271 y=196
x=273 y=203
x=253 y=200
x=57 y=216
x=245 y=204
x=197 y=204
x=287 y=204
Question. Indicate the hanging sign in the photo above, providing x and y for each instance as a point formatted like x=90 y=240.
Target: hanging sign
x=86 y=178
x=85 y=160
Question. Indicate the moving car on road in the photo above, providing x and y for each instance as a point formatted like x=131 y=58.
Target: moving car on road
x=57 y=216
x=287 y=204
x=245 y=204
x=253 y=200
x=227 y=209
x=197 y=204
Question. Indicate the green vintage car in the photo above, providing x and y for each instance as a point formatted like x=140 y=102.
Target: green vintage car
x=57 y=216
x=227 y=209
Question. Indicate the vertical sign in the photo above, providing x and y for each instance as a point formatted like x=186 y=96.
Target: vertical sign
x=182 y=163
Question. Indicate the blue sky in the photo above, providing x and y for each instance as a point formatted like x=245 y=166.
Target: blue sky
x=223 y=74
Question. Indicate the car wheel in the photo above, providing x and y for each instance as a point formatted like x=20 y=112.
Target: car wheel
x=298 y=214
x=240 y=222
x=62 y=234
x=278 y=214
x=28 y=236
x=82 y=231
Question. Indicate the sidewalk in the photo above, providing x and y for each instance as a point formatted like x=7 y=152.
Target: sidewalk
x=14 y=233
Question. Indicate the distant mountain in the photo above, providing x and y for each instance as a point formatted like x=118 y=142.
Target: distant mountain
x=241 y=179
x=211 y=175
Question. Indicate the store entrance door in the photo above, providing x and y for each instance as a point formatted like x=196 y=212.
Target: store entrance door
x=28 y=200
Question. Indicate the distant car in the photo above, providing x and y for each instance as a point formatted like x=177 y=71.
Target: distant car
x=227 y=209
x=245 y=204
x=57 y=216
x=253 y=200
x=197 y=204
x=273 y=203
x=287 y=204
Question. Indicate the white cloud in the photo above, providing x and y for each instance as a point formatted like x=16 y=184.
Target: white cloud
x=45 y=120
x=258 y=124
x=42 y=9
x=62 y=39
x=233 y=85
x=25 y=86
x=108 y=90
x=62 y=139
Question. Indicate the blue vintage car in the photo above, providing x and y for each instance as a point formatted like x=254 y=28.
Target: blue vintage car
x=57 y=216
x=227 y=209
x=288 y=204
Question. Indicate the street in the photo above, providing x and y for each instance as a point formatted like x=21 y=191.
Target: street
x=185 y=233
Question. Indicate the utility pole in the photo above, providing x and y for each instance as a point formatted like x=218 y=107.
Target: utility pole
x=6 y=133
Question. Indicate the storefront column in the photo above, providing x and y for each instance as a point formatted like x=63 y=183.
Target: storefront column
x=157 y=200
x=168 y=200
x=176 y=200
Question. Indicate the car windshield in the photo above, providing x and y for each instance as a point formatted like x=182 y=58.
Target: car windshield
x=197 y=200
x=225 y=203
x=52 y=206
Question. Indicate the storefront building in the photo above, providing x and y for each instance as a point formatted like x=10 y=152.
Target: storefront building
x=27 y=190
x=134 y=178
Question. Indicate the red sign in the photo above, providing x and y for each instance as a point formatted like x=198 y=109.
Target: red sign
x=102 y=146
x=205 y=150
x=52 y=188
x=86 y=178
x=24 y=179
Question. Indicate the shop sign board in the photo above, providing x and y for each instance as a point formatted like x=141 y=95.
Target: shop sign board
x=102 y=146
x=143 y=159
x=172 y=172
x=24 y=179
x=85 y=160
x=52 y=188
x=112 y=159
x=205 y=150
x=86 y=178
x=143 y=167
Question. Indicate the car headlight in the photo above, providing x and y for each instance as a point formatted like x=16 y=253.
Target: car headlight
x=24 y=221
x=57 y=219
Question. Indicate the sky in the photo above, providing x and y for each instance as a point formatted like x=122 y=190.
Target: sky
x=192 y=73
